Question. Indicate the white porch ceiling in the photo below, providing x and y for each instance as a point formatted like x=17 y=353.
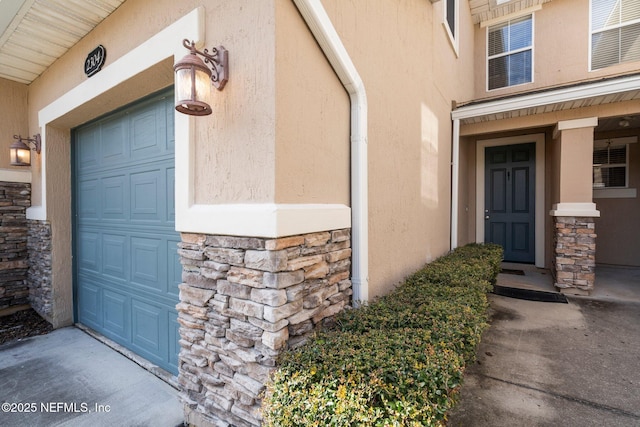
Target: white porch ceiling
x=35 y=33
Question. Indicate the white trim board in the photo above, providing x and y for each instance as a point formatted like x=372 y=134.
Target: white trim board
x=539 y=140
x=15 y=175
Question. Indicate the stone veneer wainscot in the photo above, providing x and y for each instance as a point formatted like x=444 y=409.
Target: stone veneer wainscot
x=15 y=198
x=244 y=300
x=39 y=275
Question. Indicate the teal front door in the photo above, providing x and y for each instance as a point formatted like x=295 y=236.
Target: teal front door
x=510 y=200
x=126 y=265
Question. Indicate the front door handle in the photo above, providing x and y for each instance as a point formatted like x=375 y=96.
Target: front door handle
x=486 y=217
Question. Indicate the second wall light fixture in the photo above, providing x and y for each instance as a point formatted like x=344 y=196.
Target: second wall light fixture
x=194 y=78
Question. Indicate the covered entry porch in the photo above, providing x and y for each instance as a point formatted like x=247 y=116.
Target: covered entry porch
x=580 y=190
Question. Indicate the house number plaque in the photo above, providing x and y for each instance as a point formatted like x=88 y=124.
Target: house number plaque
x=95 y=60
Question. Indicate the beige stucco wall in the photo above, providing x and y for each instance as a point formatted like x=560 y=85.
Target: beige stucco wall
x=575 y=152
x=312 y=129
x=554 y=64
x=410 y=73
x=13 y=117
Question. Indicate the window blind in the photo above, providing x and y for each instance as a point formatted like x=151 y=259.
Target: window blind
x=615 y=32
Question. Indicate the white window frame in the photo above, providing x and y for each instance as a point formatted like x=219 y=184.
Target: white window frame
x=616 y=192
x=612 y=27
x=532 y=48
x=453 y=34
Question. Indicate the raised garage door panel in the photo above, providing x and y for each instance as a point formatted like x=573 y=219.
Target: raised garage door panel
x=127 y=265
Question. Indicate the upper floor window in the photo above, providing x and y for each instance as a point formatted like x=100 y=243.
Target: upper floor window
x=450 y=15
x=615 y=32
x=451 y=21
x=510 y=53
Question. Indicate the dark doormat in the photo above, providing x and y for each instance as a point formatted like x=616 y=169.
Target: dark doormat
x=512 y=271
x=530 y=295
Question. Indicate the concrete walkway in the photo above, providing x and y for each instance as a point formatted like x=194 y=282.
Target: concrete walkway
x=553 y=364
x=68 y=378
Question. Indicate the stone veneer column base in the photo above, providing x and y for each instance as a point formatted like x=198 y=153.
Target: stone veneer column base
x=244 y=300
x=574 y=254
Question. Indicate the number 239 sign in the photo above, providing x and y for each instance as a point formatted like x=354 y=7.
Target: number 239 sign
x=95 y=60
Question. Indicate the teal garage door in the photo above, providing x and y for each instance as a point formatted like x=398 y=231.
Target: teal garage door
x=127 y=267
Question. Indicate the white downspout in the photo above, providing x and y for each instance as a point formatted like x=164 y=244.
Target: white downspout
x=455 y=168
x=325 y=34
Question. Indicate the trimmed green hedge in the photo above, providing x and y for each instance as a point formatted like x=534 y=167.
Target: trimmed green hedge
x=397 y=361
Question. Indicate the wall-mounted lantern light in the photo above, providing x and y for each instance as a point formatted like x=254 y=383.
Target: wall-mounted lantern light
x=194 y=78
x=20 y=149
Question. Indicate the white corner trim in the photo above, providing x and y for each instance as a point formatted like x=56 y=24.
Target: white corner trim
x=575 y=209
x=164 y=44
x=539 y=140
x=263 y=220
x=15 y=175
x=455 y=183
x=588 y=122
x=615 y=193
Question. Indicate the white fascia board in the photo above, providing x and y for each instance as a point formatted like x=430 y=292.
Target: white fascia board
x=592 y=90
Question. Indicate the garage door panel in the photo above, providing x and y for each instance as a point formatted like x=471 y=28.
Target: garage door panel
x=114 y=141
x=89 y=199
x=115 y=250
x=117 y=309
x=147 y=255
x=147 y=324
x=170 y=194
x=146 y=195
x=174 y=268
x=174 y=337
x=90 y=304
x=88 y=154
x=88 y=251
x=148 y=133
x=170 y=131
x=127 y=266
x=115 y=197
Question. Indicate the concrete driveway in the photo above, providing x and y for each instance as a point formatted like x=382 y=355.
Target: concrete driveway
x=68 y=378
x=553 y=364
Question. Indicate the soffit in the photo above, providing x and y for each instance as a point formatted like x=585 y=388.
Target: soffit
x=486 y=10
x=35 y=33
